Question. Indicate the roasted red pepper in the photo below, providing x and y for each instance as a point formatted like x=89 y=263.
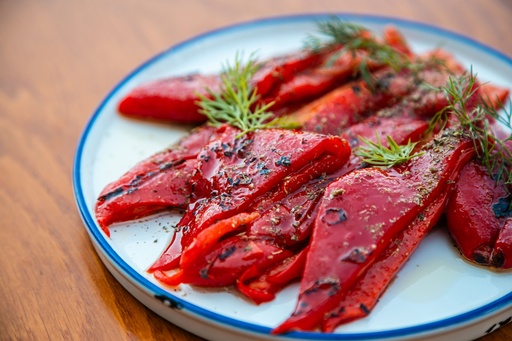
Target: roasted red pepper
x=364 y=295
x=159 y=182
x=280 y=69
x=477 y=213
x=344 y=106
x=172 y=98
x=353 y=226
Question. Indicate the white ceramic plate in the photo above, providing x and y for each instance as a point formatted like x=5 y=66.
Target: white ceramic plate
x=436 y=296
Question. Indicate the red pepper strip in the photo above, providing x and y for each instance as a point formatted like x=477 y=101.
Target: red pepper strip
x=309 y=84
x=502 y=252
x=358 y=218
x=364 y=295
x=264 y=287
x=209 y=236
x=344 y=106
x=494 y=95
x=395 y=39
x=474 y=214
x=277 y=70
x=172 y=98
x=228 y=260
x=149 y=186
x=231 y=255
x=232 y=173
x=229 y=266
x=168 y=189
x=478 y=210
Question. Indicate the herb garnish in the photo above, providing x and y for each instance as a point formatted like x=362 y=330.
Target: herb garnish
x=354 y=38
x=374 y=153
x=474 y=120
x=237 y=103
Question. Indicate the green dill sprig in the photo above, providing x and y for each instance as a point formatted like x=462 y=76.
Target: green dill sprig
x=474 y=121
x=353 y=38
x=337 y=32
x=494 y=154
x=376 y=154
x=237 y=102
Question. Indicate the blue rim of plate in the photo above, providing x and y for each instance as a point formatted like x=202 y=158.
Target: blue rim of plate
x=152 y=289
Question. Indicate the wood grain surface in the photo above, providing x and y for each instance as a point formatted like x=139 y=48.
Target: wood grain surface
x=58 y=59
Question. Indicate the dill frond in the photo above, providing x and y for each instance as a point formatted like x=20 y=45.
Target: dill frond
x=237 y=102
x=474 y=121
x=376 y=154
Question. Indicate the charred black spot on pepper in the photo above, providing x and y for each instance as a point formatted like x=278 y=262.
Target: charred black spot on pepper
x=171 y=164
x=227 y=252
x=336 y=313
x=330 y=285
x=356 y=88
x=482 y=258
x=149 y=175
x=498 y=259
x=503 y=207
x=364 y=309
x=358 y=255
x=110 y=195
x=382 y=84
x=136 y=180
x=203 y=273
x=334 y=216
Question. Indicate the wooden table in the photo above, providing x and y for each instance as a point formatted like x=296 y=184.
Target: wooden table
x=58 y=59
